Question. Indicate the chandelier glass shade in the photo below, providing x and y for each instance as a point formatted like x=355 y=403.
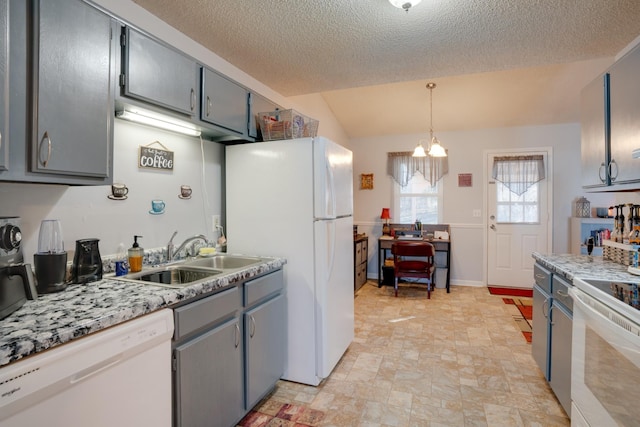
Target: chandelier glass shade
x=404 y=4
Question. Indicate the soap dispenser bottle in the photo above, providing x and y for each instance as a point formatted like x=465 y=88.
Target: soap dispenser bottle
x=135 y=254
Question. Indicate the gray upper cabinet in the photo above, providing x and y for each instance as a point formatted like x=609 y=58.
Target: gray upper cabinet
x=157 y=74
x=594 y=111
x=610 y=125
x=4 y=83
x=73 y=92
x=224 y=102
x=258 y=104
x=625 y=118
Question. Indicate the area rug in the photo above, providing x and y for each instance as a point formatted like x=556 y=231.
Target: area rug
x=272 y=413
x=514 y=292
x=523 y=315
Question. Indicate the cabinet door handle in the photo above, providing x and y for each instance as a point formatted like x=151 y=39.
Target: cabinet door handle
x=237 y=335
x=252 y=330
x=562 y=293
x=0 y=139
x=603 y=179
x=46 y=161
x=611 y=174
x=193 y=99
x=208 y=106
x=550 y=309
x=540 y=276
x=546 y=302
x=253 y=326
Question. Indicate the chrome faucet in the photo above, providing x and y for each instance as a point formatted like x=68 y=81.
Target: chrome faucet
x=170 y=248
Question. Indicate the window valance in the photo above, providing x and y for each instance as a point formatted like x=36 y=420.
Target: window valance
x=402 y=166
x=518 y=173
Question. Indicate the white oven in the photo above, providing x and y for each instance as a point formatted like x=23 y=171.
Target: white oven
x=605 y=373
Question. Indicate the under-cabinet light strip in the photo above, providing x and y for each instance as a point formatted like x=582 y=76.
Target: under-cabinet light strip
x=168 y=123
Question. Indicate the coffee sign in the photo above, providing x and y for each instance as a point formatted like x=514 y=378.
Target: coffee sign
x=155 y=158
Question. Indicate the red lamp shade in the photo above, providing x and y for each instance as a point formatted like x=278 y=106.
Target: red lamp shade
x=385 y=214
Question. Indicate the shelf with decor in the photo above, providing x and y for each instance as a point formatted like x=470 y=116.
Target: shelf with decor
x=583 y=228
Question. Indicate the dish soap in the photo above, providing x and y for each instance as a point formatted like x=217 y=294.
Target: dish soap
x=135 y=254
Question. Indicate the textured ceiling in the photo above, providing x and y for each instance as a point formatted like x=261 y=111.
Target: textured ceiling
x=349 y=49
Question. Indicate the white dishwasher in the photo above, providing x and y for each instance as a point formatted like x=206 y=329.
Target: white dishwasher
x=117 y=377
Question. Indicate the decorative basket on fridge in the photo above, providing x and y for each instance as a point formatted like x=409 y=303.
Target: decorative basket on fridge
x=286 y=124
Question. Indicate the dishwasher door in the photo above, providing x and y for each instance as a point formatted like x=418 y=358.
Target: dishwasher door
x=117 y=377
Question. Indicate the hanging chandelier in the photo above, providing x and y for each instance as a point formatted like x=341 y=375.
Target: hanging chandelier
x=404 y=4
x=435 y=148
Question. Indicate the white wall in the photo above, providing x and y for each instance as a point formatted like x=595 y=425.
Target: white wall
x=467 y=152
x=87 y=212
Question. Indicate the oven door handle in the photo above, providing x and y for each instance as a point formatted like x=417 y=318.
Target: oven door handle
x=616 y=322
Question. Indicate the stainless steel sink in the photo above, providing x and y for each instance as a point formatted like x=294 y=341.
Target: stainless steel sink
x=172 y=276
x=224 y=262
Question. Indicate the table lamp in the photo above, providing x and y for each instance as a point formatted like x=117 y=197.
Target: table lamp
x=386 y=216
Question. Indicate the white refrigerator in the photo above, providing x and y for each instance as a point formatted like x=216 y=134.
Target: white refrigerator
x=294 y=199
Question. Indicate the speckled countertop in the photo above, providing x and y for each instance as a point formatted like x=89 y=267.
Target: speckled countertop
x=585 y=266
x=57 y=318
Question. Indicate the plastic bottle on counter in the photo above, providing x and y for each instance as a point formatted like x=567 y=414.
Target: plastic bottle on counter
x=121 y=261
x=135 y=254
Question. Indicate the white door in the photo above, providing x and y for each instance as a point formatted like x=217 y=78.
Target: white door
x=517 y=226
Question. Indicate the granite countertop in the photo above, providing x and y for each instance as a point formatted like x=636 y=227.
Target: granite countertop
x=54 y=319
x=585 y=266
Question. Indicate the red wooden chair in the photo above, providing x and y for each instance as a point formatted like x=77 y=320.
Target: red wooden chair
x=420 y=265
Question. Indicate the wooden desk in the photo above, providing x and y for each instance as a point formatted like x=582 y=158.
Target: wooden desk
x=439 y=245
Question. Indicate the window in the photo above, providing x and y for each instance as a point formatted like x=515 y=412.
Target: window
x=418 y=200
x=517 y=189
x=514 y=208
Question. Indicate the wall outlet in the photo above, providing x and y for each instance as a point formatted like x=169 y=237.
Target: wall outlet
x=477 y=213
x=215 y=222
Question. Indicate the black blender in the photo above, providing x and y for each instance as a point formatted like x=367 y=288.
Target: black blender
x=51 y=260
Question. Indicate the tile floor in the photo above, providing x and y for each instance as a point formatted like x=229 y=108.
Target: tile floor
x=458 y=359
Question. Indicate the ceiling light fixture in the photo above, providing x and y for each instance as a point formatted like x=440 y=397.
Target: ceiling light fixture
x=435 y=149
x=158 y=120
x=404 y=4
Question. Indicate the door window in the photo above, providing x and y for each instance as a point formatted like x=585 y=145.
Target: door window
x=517 y=209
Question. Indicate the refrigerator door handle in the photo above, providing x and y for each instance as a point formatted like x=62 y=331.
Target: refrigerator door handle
x=331 y=209
x=332 y=245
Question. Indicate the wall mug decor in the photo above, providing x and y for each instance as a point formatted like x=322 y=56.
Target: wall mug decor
x=157 y=207
x=118 y=191
x=185 y=192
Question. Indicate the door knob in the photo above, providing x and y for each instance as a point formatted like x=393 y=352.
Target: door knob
x=492 y=226
x=492 y=217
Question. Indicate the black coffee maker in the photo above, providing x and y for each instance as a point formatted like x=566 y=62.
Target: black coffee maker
x=87 y=263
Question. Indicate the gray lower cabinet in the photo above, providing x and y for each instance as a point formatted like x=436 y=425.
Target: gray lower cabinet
x=209 y=379
x=228 y=352
x=224 y=102
x=541 y=336
x=73 y=90
x=560 y=379
x=208 y=362
x=4 y=83
x=552 y=332
x=265 y=335
x=157 y=74
x=264 y=348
